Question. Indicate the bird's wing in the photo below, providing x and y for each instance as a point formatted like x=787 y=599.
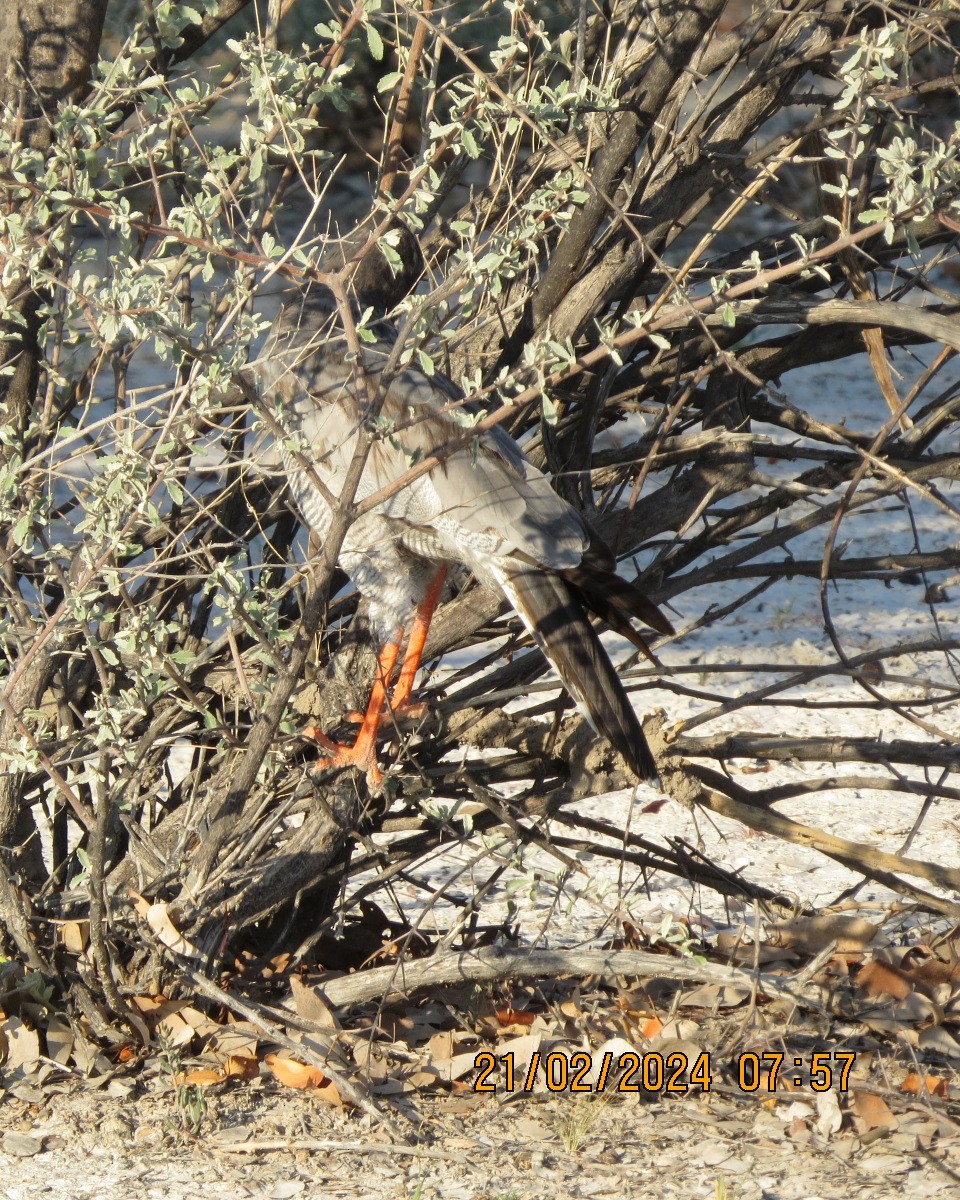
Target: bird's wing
x=487 y=488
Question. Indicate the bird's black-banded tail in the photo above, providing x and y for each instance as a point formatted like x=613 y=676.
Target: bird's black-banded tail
x=615 y=602
x=553 y=610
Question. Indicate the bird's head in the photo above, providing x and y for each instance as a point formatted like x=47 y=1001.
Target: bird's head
x=387 y=272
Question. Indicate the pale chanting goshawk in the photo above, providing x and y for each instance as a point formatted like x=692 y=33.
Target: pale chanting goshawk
x=484 y=506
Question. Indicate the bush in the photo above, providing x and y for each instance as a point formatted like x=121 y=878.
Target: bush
x=635 y=222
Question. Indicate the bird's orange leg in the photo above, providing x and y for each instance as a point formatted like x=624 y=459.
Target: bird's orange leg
x=363 y=752
x=418 y=639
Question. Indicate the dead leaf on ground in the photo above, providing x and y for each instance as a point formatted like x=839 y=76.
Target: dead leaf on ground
x=201 y=1077
x=238 y=1040
x=880 y=979
x=916 y=1009
x=829 y=1116
x=512 y=1018
x=240 y=1066
x=521 y=1050
x=870 y=1112
x=161 y=920
x=810 y=935
x=59 y=1040
x=799 y=1130
x=423 y=1080
x=295 y=1074
x=150 y=1006
x=440 y=1047
x=374 y=1059
x=914 y=1085
x=75 y=936
x=23 y=1046
x=185 y=1024
x=311 y=1006
x=937 y=1040
x=759 y=767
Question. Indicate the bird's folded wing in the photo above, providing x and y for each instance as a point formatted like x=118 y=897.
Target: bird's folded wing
x=487 y=487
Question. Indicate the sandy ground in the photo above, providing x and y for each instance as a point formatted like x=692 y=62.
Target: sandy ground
x=98 y=1148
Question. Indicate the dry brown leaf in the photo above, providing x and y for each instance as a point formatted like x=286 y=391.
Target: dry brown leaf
x=23 y=1046
x=311 y=1006
x=239 y=1066
x=798 y=1130
x=199 y=1022
x=440 y=1047
x=234 y=1041
x=295 y=1074
x=454 y=1069
x=329 y=1093
x=936 y=1039
x=917 y=1009
x=160 y=919
x=423 y=1080
x=201 y=1077
x=811 y=934
x=635 y=1002
x=75 y=936
x=522 y=1050
x=59 y=1040
x=829 y=1116
x=783 y=1081
x=512 y=1018
x=373 y=1058
x=894 y=1029
x=399 y=1027
x=181 y=1023
x=148 y=1005
x=716 y=995
x=880 y=979
x=870 y=1112
x=933 y=1084
x=681 y=1029
x=177 y=1031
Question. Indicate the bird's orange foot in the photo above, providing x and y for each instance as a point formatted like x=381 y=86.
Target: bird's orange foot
x=362 y=754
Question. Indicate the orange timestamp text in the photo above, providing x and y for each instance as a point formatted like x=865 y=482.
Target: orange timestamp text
x=674 y=1072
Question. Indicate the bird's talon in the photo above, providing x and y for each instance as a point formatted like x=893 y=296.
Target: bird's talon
x=336 y=755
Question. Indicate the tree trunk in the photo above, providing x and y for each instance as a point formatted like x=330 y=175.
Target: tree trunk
x=47 y=50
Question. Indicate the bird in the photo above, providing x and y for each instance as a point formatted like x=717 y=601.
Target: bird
x=484 y=506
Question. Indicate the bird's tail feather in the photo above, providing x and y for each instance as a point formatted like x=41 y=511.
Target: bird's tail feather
x=552 y=611
x=615 y=601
